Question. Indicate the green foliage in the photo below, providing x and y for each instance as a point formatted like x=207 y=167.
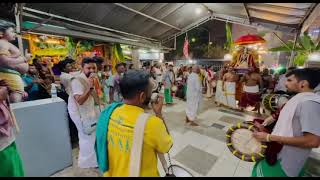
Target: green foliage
x=71 y=46
x=117 y=52
x=299 y=59
x=304 y=47
x=86 y=45
x=215 y=51
x=229 y=45
x=51 y=52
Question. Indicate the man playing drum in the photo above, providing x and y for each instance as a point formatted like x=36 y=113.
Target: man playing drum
x=297 y=127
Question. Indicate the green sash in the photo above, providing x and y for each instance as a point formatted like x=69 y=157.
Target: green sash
x=263 y=169
x=5 y=70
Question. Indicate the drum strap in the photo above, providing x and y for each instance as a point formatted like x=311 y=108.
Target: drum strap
x=137 y=144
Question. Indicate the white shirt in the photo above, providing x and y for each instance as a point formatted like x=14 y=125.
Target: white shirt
x=65 y=79
x=158 y=75
x=87 y=109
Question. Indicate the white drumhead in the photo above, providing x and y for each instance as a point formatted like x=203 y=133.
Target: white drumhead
x=154 y=84
x=281 y=101
x=179 y=171
x=174 y=88
x=243 y=141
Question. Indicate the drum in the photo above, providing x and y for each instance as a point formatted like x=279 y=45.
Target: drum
x=178 y=171
x=272 y=102
x=154 y=85
x=243 y=145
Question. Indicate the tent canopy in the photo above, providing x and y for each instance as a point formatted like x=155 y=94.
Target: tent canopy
x=159 y=22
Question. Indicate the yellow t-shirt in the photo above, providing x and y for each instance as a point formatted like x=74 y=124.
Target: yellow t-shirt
x=120 y=135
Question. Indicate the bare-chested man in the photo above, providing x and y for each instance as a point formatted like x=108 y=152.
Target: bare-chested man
x=218 y=96
x=251 y=90
x=12 y=63
x=229 y=87
x=267 y=81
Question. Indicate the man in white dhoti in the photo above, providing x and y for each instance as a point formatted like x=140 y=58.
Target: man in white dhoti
x=219 y=96
x=194 y=95
x=229 y=87
x=81 y=107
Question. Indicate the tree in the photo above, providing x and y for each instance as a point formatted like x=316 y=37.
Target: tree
x=215 y=51
x=304 y=47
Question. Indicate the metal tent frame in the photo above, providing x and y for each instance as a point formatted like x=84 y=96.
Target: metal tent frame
x=151 y=25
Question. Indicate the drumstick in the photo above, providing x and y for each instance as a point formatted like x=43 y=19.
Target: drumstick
x=13 y=117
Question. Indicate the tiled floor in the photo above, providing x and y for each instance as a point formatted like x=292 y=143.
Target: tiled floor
x=201 y=150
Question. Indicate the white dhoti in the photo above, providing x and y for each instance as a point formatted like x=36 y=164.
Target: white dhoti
x=230 y=94
x=194 y=96
x=219 y=94
x=251 y=89
x=87 y=155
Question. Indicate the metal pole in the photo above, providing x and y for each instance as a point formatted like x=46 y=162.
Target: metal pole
x=145 y=15
x=293 y=49
x=18 y=28
x=84 y=23
x=208 y=43
x=281 y=40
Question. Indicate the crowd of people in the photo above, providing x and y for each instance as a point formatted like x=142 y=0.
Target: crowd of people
x=105 y=108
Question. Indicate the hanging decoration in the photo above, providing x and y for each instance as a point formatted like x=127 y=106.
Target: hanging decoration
x=245 y=54
x=117 y=56
x=249 y=39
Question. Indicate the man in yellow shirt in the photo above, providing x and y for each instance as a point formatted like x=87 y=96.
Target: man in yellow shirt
x=136 y=90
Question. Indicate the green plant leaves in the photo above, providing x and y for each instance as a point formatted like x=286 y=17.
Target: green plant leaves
x=305 y=42
x=303 y=48
x=229 y=43
x=280 y=48
x=117 y=52
x=300 y=59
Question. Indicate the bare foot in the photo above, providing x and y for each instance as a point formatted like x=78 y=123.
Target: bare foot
x=194 y=124
x=187 y=120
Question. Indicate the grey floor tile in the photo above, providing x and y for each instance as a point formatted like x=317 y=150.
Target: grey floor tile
x=216 y=125
x=231 y=120
x=215 y=133
x=196 y=159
